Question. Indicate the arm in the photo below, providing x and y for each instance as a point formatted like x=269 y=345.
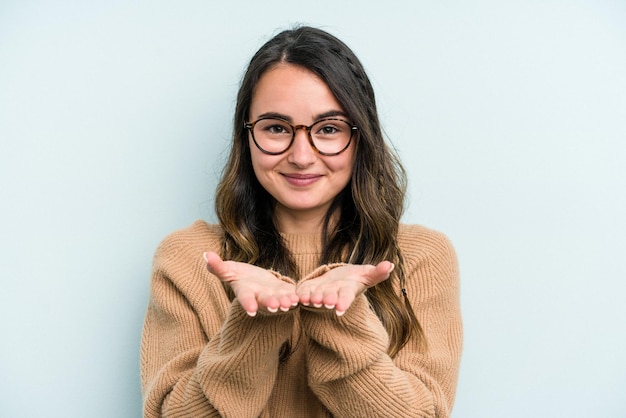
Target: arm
x=202 y=355
x=349 y=368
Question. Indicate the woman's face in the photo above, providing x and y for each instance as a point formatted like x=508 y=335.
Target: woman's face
x=302 y=181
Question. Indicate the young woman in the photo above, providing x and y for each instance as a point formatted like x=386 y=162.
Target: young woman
x=308 y=299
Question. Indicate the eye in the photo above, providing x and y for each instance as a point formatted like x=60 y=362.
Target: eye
x=274 y=127
x=330 y=128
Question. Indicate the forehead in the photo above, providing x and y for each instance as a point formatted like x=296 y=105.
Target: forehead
x=293 y=91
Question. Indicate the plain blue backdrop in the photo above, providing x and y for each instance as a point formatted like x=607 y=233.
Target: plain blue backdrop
x=509 y=115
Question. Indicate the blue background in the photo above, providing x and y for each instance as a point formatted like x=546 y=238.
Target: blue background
x=509 y=115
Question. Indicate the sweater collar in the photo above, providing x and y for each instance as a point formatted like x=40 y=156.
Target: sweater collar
x=300 y=244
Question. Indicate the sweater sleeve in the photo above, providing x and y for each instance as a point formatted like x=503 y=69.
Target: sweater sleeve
x=200 y=354
x=349 y=368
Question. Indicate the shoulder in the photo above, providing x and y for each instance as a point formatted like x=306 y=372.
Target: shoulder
x=180 y=275
x=191 y=241
x=421 y=237
x=423 y=247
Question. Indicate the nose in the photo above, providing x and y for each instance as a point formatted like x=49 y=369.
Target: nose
x=301 y=153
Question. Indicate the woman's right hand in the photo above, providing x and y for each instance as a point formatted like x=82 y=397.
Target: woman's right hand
x=254 y=287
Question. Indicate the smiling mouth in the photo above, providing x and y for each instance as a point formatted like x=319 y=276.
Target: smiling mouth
x=301 y=179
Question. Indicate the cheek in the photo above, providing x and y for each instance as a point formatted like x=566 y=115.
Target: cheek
x=344 y=165
x=262 y=164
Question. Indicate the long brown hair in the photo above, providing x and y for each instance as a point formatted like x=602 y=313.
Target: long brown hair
x=369 y=208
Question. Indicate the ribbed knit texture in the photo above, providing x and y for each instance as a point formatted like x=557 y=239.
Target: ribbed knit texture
x=203 y=356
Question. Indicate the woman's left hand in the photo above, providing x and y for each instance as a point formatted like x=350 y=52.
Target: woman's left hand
x=338 y=287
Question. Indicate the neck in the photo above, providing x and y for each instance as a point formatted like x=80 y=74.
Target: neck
x=302 y=222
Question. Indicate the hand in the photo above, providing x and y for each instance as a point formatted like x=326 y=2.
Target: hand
x=338 y=287
x=254 y=287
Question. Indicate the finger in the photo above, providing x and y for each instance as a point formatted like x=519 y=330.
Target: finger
x=304 y=295
x=248 y=301
x=316 y=298
x=330 y=298
x=294 y=299
x=269 y=301
x=285 y=302
x=345 y=298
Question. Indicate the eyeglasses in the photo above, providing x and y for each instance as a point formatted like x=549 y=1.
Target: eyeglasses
x=328 y=137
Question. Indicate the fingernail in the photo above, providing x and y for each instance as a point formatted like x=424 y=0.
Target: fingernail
x=294 y=304
x=306 y=303
x=329 y=306
x=340 y=313
x=251 y=313
x=284 y=309
x=206 y=257
x=393 y=266
x=272 y=310
x=317 y=305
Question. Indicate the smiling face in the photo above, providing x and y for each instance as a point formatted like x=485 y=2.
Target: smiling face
x=302 y=181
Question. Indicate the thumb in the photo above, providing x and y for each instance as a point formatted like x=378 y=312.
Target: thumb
x=215 y=264
x=381 y=272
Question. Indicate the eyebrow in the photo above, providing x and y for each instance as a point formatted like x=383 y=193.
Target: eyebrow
x=329 y=114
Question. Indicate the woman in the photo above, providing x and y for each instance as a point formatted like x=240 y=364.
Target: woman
x=309 y=299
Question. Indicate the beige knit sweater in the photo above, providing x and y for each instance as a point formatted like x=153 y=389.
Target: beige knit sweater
x=203 y=356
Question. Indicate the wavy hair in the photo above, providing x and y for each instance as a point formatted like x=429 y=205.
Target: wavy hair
x=369 y=208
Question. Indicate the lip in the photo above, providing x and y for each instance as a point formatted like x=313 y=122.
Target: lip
x=301 y=179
